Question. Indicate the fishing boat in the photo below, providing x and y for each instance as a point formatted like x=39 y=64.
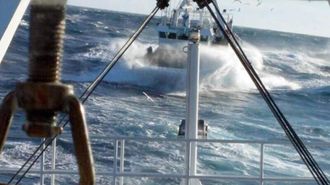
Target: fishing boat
x=174 y=29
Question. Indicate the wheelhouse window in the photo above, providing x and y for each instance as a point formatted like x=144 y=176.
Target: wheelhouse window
x=162 y=34
x=204 y=38
x=172 y=35
x=183 y=37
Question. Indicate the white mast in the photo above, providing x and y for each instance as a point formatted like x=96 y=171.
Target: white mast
x=192 y=99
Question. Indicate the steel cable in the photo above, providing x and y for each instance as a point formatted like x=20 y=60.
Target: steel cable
x=294 y=138
x=308 y=159
x=302 y=150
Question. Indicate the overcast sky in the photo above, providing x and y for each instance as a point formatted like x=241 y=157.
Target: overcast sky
x=308 y=17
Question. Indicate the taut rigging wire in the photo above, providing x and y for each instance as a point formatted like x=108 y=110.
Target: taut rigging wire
x=86 y=94
x=306 y=156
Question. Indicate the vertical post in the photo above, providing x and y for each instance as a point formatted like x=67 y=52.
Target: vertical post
x=185 y=181
x=262 y=164
x=42 y=165
x=122 y=161
x=53 y=163
x=115 y=152
x=192 y=99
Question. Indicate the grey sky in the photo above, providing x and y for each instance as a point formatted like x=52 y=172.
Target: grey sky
x=308 y=17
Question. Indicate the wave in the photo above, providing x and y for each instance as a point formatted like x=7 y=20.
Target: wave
x=280 y=66
x=220 y=69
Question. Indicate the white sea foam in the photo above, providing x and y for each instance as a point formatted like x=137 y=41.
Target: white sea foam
x=302 y=69
x=220 y=70
x=24 y=23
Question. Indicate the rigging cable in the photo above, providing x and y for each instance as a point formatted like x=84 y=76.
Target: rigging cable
x=306 y=156
x=86 y=94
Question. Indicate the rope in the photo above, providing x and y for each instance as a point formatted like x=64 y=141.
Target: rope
x=86 y=94
x=308 y=159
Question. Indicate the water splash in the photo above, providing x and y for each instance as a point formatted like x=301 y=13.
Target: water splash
x=220 y=70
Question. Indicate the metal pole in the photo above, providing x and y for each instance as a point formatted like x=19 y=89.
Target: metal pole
x=115 y=158
x=192 y=99
x=185 y=181
x=122 y=160
x=262 y=146
x=42 y=166
x=53 y=177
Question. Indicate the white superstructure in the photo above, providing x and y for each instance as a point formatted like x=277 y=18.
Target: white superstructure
x=177 y=24
x=175 y=28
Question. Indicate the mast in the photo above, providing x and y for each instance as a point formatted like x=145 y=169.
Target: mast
x=192 y=99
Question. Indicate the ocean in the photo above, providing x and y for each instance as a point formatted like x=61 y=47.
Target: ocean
x=141 y=100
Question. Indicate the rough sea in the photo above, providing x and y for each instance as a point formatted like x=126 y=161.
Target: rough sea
x=141 y=100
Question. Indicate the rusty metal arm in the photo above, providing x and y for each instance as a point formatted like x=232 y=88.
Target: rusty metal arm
x=7 y=111
x=81 y=141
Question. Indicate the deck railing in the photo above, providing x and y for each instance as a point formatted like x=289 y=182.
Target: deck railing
x=119 y=174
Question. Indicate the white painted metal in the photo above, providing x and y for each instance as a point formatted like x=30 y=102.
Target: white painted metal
x=181 y=21
x=42 y=167
x=185 y=181
x=261 y=164
x=115 y=158
x=11 y=13
x=192 y=99
x=53 y=162
x=122 y=160
x=246 y=178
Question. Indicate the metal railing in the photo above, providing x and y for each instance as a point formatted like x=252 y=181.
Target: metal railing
x=118 y=173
